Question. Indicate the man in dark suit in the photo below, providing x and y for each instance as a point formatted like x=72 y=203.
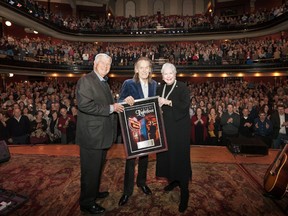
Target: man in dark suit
x=18 y=127
x=279 y=121
x=96 y=130
x=141 y=86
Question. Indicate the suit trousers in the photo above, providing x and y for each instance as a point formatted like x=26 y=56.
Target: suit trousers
x=91 y=162
x=130 y=172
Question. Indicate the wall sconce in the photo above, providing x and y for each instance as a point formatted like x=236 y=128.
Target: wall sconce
x=4 y=76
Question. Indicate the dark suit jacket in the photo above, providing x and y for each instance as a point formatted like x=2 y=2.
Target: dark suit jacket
x=132 y=88
x=275 y=119
x=96 y=127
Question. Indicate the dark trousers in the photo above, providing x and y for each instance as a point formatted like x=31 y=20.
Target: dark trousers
x=91 y=162
x=130 y=171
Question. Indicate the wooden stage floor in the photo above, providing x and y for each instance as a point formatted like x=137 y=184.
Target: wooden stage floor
x=212 y=154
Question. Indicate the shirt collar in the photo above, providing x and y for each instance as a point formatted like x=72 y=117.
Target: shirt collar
x=100 y=77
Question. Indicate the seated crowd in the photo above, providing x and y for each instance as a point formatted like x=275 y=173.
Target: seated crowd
x=46 y=112
x=123 y=24
x=240 y=51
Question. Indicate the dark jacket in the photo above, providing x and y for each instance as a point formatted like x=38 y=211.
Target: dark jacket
x=132 y=88
x=96 y=127
x=275 y=119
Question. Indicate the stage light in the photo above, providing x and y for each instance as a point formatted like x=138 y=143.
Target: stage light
x=35 y=32
x=8 y=23
x=19 y=5
x=11 y=2
x=30 y=11
x=11 y=74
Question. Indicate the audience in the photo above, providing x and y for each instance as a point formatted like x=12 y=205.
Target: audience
x=279 y=121
x=217 y=97
x=263 y=128
x=38 y=134
x=238 y=51
x=67 y=126
x=151 y=24
x=18 y=127
x=230 y=122
x=213 y=128
x=246 y=124
x=199 y=127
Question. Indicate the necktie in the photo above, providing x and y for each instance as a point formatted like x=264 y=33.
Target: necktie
x=107 y=89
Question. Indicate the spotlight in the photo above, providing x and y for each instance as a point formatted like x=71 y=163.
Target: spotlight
x=8 y=23
x=11 y=74
x=35 y=32
x=11 y=2
x=19 y=5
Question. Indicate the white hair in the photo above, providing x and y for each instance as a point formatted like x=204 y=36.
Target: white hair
x=102 y=55
x=168 y=66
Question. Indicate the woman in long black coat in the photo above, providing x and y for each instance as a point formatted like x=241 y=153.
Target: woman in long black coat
x=175 y=164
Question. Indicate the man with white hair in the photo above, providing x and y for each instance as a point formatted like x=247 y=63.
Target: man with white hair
x=96 y=130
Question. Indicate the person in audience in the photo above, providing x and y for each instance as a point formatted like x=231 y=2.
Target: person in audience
x=253 y=113
x=193 y=106
x=65 y=123
x=175 y=164
x=10 y=101
x=199 y=127
x=266 y=109
x=141 y=86
x=263 y=128
x=53 y=132
x=230 y=123
x=67 y=105
x=96 y=130
x=213 y=128
x=246 y=124
x=3 y=125
x=27 y=113
x=18 y=128
x=38 y=127
x=45 y=111
x=74 y=111
x=279 y=121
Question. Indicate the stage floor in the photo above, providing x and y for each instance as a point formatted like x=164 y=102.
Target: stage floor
x=212 y=154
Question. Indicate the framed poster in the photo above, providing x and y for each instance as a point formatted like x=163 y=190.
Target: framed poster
x=142 y=128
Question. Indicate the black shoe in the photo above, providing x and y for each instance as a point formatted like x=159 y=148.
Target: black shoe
x=102 y=195
x=171 y=186
x=95 y=209
x=145 y=189
x=123 y=200
x=184 y=201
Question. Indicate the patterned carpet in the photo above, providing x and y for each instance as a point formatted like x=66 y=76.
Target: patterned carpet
x=52 y=185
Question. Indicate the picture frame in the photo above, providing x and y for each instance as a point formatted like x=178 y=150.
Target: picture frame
x=142 y=128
